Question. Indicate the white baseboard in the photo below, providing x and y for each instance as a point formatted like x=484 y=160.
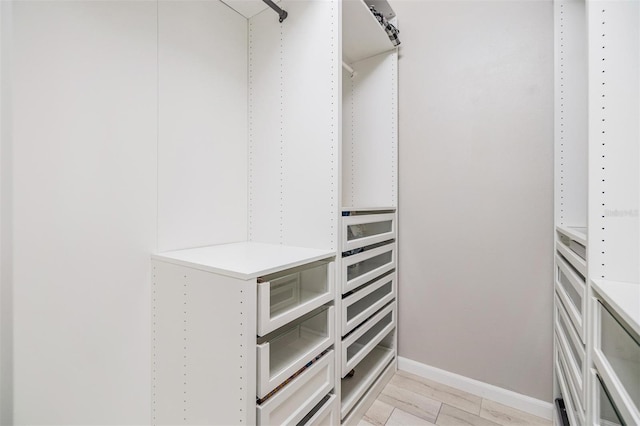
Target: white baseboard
x=503 y=396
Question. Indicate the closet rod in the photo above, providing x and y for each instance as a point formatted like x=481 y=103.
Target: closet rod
x=348 y=68
x=282 y=13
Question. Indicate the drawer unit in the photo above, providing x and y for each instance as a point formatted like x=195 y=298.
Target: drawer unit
x=571 y=289
x=572 y=349
x=292 y=403
x=285 y=296
x=573 y=238
x=359 y=269
x=360 y=305
x=324 y=414
x=290 y=348
x=365 y=230
x=364 y=339
x=617 y=358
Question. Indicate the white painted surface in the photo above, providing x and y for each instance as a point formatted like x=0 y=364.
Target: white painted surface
x=614 y=140
x=513 y=399
x=84 y=154
x=624 y=299
x=571 y=125
x=6 y=281
x=370 y=133
x=248 y=8
x=362 y=34
x=203 y=347
x=475 y=213
x=244 y=260
x=293 y=126
x=202 y=145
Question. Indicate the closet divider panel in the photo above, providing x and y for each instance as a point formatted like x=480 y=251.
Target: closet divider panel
x=202 y=111
x=571 y=126
x=293 y=125
x=614 y=135
x=370 y=134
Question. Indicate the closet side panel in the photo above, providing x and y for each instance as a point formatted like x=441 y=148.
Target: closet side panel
x=293 y=120
x=84 y=210
x=202 y=154
x=370 y=133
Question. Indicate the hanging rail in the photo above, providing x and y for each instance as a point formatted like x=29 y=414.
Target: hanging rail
x=281 y=12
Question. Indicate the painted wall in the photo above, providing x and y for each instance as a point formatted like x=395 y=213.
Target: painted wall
x=476 y=190
x=94 y=151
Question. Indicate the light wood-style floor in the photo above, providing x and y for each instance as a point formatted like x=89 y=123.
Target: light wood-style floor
x=410 y=400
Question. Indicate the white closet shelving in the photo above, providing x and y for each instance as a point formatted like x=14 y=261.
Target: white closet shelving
x=249 y=321
x=597 y=314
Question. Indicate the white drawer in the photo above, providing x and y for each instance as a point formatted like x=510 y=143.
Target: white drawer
x=573 y=351
x=359 y=306
x=361 y=341
x=289 y=349
x=294 y=401
x=358 y=269
x=287 y=295
x=575 y=260
x=325 y=413
x=574 y=238
x=365 y=378
x=606 y=412
x=617 y=357
x=568 y=395
x=365 y=230
x=571 y=289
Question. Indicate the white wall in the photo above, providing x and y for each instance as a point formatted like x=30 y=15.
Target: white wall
x=476 y=189
x=202 y=145
x=84 y=209
x=6 y=309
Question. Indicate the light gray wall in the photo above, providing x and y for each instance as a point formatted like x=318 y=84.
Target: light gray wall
x=476 y=190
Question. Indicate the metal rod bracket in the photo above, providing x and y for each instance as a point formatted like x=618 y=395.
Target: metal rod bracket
x=281 y=12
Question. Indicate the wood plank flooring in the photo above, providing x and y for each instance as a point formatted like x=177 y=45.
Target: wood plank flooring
x=410 y=400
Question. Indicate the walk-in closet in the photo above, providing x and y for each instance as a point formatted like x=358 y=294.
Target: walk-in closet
x=319 y=212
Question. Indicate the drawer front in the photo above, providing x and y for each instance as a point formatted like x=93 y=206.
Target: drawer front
x=326 y=415
x=294 y=401
x=358 y=344
x=606 y=411
x=564 y=388
x=359 y=306
x=575 y=260
x=573 y=394
x=573 y=351
x=617 y=356
x=359 y=269
x=294 y=346
x=571 y=289
x=288 y=295
x=365 y=230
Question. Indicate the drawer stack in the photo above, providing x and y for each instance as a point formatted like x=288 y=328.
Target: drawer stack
x=570 y=325
x=295 y=359
x=368 y=308
x=239 y=340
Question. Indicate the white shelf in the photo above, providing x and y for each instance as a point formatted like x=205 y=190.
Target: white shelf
x=365 y=375
x=362 y=35
x=247 y=8
x=576 y=233
x=624 y=299
x=367 y=209
x=244 y=260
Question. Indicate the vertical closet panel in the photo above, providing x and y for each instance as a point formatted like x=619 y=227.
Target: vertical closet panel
x=202 y=154
x=614 y=46
x=370 y=133
x=84 y=209
x=293 y=125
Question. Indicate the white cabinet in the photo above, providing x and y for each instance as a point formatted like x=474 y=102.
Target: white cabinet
x=209 y=363
x=597 y=182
